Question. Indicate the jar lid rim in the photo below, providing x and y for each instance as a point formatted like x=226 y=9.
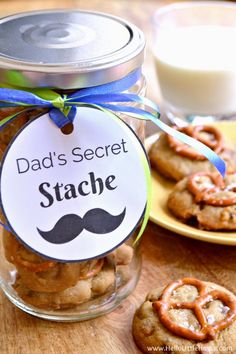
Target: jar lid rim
x=68 y=48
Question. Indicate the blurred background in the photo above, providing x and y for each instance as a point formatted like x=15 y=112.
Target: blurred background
x=139 y=12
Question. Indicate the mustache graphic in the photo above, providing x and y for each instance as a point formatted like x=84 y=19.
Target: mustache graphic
x=69 y=226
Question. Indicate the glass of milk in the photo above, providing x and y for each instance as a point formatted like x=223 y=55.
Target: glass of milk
x=195 y=57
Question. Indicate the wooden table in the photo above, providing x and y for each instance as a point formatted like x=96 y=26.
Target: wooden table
x=166 y=255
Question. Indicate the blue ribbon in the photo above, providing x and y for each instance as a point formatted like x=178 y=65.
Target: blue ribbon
x=111 y=96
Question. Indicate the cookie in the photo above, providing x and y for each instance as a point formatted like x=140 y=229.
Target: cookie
x=103 y=280
x=55 y=279
x=188 y=316
x=55 y=285
x=122 y=255
x=19 y=255
x=40 y=274
x=68 y=298
x=10 y=130
x=205 y=200
x=176 y=160
x=82 y=291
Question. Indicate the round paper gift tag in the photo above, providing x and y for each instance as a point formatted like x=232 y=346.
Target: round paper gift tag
x=77 y=196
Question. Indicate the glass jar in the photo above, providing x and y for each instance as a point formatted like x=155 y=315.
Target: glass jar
x=42 y=287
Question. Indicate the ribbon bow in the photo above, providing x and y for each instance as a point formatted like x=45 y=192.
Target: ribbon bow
x=111 y=96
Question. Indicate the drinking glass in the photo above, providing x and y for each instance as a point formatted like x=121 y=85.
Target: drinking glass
x=195 y=59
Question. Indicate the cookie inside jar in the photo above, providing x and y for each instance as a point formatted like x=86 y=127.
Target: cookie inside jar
x=12 y=128
x=51 y=285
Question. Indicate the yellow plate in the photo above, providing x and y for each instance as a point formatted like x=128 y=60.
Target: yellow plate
x=161 y=188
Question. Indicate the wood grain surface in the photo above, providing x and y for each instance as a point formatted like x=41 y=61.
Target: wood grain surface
x=166 y=255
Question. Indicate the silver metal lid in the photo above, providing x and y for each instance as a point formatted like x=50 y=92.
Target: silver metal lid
x=67 y=49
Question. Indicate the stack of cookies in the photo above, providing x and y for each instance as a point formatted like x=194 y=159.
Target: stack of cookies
x=201 y=196
x=55 y=285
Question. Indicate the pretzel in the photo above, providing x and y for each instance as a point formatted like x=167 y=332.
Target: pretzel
x=21 y=256
x=88 y=269
x=44 y=275
x=91 y=268
x=207 y=332
x=194 y=131
x=208 y=194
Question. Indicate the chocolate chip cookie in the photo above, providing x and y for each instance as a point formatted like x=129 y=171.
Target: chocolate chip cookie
x=205 y=200
x=176 y=160
x=188 y=316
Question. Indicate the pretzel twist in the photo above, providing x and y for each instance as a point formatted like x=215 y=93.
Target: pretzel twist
x=94 y=268
x=31 y=262
x=28 y=260
x=207 y=331
x=207 y=194
x=216 y=144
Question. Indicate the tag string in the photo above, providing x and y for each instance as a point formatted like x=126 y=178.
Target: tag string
x=113 y=97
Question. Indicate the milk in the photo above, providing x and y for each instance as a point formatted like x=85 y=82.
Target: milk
x=196 y=69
